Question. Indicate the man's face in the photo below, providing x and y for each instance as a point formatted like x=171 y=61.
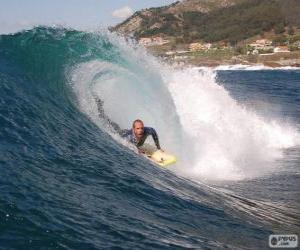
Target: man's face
x=138 y=130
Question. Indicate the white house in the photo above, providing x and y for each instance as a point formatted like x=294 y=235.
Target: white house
x=150 y=41
x=280 y=49
x=146 y=41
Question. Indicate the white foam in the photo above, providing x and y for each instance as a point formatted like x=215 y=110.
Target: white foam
x=227 y=141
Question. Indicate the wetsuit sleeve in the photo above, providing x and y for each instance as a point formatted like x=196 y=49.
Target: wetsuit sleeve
x=116 y=127
x=155 y=137
x=125 y=133
x=102 y=115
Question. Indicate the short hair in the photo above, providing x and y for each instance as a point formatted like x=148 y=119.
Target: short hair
x=135 y=121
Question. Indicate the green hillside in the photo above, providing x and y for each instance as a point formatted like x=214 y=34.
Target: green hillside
x=236 y=21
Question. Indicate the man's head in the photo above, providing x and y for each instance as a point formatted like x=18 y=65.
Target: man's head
x=138 y=128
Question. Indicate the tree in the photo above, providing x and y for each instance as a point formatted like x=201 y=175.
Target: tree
x=279 y=28
x=279 y=40
x=240 y=49
x=291 y=31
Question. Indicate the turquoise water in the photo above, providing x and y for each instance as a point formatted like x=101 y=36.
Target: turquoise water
x=67 y=182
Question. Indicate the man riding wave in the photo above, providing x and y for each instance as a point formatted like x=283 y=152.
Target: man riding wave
x=137 y=135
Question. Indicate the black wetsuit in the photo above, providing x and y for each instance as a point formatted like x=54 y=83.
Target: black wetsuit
x=129 y=135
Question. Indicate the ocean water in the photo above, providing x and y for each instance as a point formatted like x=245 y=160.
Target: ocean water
x=68 y=182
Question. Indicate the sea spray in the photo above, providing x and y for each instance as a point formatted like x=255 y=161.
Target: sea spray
x=228 y=140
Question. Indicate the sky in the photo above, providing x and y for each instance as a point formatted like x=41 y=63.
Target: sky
x=16 y=15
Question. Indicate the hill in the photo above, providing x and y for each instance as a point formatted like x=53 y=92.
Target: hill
x=213 y=20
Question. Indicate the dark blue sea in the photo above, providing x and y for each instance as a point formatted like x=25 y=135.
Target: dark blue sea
x=68 y=182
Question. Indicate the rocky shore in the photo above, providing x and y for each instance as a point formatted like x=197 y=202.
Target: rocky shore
x=288 y=59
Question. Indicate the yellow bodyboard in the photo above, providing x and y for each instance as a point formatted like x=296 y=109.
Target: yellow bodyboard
x=162 y=158
x=159 y=157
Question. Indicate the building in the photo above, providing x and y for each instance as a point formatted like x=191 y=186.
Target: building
x=195 y=47
x=159 y=40
x=260 y=46
x=199 y=46
x=280 y=49
x=261 y=43
x=150 y=41
x=145 y=41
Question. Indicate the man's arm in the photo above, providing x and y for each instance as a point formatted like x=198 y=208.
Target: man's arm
x=155 y=137
x=102 y=115
x=125 y=133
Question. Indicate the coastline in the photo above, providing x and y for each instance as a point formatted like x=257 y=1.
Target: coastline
x=272 y=60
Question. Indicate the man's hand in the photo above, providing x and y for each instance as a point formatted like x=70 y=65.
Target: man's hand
x=141 y=151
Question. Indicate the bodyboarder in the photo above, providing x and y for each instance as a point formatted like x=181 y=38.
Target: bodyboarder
x=136 y=135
